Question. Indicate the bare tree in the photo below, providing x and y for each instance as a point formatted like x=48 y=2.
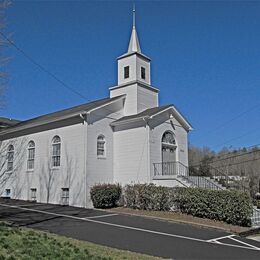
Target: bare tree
x=237 y=168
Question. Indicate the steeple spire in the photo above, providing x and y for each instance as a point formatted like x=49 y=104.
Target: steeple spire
x=134 y=45
x=134 y=15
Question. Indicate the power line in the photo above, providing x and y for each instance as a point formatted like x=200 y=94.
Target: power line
x=78 y=93
x=50 y=73
x=230 y=120
x=41 y=67
x=235 y=138
x=230 y=157
x=54 y=76
x=239 y=155
x=251 y=160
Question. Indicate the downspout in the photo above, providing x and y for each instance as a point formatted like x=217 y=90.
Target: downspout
x=148 y=153
x=84 y=117
x=146 y=120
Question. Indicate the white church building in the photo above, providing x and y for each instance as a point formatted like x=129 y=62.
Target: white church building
x=125 y=138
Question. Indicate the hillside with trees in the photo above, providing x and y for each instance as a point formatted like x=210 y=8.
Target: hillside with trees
x=234 y=168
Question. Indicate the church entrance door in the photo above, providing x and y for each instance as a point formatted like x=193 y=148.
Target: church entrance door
x=168 y=154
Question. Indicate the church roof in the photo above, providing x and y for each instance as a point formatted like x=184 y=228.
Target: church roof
x=150 y=113
x=62 y=114
x=146 y=113
x=8 y=121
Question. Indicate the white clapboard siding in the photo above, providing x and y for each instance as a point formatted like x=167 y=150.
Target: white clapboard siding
x=131 y=156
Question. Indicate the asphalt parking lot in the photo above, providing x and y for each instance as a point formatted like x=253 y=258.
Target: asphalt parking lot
x=137 y=234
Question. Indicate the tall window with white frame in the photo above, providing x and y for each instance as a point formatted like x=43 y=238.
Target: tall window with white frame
x=56 y=151
x=10 y=158
x=101 y=146
x=31 y=155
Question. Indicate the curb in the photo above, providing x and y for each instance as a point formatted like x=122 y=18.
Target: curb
x=180 y=222
x=250 y=232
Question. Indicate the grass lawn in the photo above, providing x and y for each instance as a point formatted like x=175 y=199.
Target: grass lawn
x=23 y=243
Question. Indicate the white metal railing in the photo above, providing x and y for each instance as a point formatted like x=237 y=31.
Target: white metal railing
x=170 y=169
x=255 y=219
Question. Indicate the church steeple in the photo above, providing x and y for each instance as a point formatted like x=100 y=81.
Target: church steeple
x=133 y=65
x=134 y=78
x=134 y=45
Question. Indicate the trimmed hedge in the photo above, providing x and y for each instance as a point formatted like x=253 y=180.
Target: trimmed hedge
x=105 y=195
x=232 y=207
x=148 y=197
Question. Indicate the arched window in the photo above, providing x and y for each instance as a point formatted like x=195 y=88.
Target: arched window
x=31 y=155
x=10 y=158
x=101 y=146
x=168 y=138
x=168 y=147
x=56 y=151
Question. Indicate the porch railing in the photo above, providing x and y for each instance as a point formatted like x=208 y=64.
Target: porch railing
x=172 y=169
x=165 y=169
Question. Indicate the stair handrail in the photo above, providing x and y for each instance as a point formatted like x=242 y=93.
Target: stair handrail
x=186 y=168
x=227 y=176
x=218 y=187
x=188 y=180
x=212 y=183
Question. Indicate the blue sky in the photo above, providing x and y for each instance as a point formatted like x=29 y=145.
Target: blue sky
x=205 y=60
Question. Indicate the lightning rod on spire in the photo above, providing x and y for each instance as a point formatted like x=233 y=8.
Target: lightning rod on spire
x=133 y=15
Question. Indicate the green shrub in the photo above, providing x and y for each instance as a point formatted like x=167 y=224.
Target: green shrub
x=105 y=195
x=147 y=197
x=232 y=207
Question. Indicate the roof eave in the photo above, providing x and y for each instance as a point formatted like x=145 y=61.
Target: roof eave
x=183 y=120
x=127 y=121
x=140 y=83
x=108 y=103
x=32 y=125
x=52 y=120
x=134 y=53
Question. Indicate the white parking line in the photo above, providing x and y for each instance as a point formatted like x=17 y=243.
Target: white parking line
x=218 y=238
x=244 y=243
x=101 y=216
x=232 y=237
x=129 y=227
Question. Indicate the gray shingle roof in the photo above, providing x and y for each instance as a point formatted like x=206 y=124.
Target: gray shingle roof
x=8 y=121
x=153 y=111
x=147 y=112
x=73 y=110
